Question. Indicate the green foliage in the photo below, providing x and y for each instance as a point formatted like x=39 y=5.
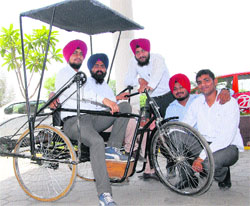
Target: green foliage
x=112 y=84
x=49 y=84
x=35 y=46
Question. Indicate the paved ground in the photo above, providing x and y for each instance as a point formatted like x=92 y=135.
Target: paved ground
x=135 y=192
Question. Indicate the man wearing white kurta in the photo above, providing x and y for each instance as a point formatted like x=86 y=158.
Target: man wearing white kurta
x=95 y=95
x=149 y=71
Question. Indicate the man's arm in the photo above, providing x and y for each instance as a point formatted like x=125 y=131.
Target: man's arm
x=159 y=69
x=122 y=96
x=55 y=103
x=143 y=85
x=131 y=76
x=224 y=96
x=112 y=105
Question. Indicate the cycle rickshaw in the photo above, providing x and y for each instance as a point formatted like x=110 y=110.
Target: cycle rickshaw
x=46 y=161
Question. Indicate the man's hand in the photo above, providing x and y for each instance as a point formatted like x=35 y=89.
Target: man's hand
x=112 y=105
x=143 y=85
x=224 y=96
x=197 y=165
x=54 y=104
x=122 y=96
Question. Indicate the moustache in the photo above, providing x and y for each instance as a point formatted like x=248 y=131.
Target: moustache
x=179 y=93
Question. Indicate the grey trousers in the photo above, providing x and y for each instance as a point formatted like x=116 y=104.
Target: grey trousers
x=90 y=126
x=223 y=159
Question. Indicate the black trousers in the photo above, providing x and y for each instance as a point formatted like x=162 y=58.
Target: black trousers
x=163 y=102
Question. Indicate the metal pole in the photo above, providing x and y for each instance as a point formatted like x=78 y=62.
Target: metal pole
x=117 y=43
x=44 y=61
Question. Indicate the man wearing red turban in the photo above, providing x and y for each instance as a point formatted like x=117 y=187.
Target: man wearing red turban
x=180 y=87
x=149 y=71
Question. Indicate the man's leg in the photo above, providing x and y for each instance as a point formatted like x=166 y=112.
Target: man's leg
x=119 y=127
x=163 y=102
x=223 y=159
x=91 y=138
x=129 y=135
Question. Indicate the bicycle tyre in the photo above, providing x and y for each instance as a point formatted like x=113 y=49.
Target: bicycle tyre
x=185 y=143
x=84 y=171
x=41 y=179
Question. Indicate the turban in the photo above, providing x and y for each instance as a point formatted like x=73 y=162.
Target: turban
x=182 y=80
x=69 y=49
x=98 y=57
x=143 y=43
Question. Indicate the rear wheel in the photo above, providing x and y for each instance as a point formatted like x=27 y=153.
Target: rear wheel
x=175 y=171
x=46 y=177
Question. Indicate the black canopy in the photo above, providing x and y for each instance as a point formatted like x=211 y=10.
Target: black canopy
x=86 y=16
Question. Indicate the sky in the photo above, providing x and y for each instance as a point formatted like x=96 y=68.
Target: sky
x=190 y=34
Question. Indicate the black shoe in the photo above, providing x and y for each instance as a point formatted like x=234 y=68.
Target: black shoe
x=226 y=183
x=147 y=176
x=170 y=170
x=192 y=182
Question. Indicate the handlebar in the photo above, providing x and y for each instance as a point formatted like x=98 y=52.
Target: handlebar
x=133 y=94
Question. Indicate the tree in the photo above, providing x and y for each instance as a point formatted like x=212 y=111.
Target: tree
x=49 y=84
x=112 y=84
x=34 y=49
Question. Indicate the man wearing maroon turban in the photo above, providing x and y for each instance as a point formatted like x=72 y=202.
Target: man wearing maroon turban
x=96 y=95
x=150 y=72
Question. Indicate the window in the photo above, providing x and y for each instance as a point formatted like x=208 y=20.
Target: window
x=225 y=83
x=244 y=83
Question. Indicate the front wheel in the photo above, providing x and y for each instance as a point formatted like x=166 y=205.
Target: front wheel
x=45 y=177
x=172 y=153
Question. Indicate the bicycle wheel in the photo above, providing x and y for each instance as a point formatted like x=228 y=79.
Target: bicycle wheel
x=84 y=171
x=47 y=176
x=174 y=165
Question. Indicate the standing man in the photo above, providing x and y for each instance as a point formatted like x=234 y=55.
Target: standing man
x=95 y=95
x=219 y=124
x=152 y=71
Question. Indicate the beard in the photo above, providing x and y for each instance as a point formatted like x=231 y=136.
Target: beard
x=98 y=76
x=146 y=62
x=182 y=98
x=75 y=66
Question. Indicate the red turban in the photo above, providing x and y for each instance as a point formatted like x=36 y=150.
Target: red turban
x=72 y=46
x=182 y=80
x=143 y=43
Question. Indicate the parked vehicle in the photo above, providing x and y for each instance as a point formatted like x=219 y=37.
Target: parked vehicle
x=16 y=109
x=240 y=84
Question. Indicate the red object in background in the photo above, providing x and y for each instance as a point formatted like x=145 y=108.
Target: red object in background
x=240 y=84
x=243 y=101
